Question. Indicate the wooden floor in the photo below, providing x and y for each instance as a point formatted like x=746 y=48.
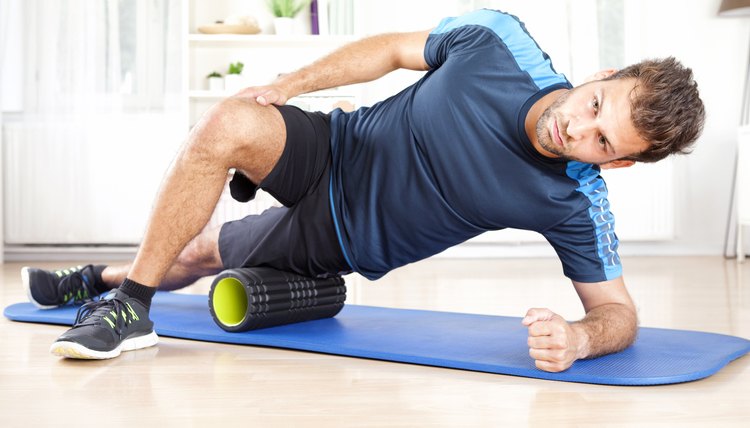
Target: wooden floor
x=189 y=383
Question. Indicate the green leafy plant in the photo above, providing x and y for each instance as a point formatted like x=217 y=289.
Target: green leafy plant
x=213 y=74
x=287 y=8
x=236 y=68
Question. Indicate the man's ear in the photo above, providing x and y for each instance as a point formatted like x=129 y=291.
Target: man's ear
x=601 y=74
x=617 y=163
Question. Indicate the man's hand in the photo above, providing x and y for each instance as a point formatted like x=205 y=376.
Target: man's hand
x=610 y=325
x=265 y=95
x=553 y=343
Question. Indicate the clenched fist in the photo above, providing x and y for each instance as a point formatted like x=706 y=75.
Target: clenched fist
x=553 y=342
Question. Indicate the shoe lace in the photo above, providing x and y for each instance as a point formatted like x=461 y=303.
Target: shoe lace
x=93 y=312
x=74 y=286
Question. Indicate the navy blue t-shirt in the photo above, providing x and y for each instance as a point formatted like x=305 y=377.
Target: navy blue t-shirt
x=448 y=158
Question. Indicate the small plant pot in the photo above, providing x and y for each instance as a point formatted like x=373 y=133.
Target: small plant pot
x=233 y=82
x=283 y=26
x=216 y=84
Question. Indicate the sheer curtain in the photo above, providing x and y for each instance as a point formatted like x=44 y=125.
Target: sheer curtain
x=102 y=117
x=105 y=56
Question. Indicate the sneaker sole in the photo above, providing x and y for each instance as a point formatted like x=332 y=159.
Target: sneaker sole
x=26 y=281
x=80 y=352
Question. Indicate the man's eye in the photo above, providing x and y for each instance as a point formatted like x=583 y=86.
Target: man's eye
x=595 y=105
x=602 y=140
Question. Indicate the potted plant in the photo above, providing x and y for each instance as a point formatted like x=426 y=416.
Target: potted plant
x=233 y=79
x=283 y=12
x=215 y=82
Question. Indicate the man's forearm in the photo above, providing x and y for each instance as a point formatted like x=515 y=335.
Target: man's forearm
x=605 y=329
x=361 y=61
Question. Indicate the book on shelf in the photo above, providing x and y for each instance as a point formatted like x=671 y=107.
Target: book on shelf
x=314 y=23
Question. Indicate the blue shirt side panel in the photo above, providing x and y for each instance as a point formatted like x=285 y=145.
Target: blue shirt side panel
x=570 y=243
x=344 y=248
x=529 y=57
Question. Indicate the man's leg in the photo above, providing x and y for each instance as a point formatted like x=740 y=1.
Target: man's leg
x=79 y=284
x=200 y=258
x=236 y=133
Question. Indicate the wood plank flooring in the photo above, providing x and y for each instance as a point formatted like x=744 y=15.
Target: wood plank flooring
x=188 y=383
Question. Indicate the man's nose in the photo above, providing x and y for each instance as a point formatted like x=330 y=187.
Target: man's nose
x=580 y=129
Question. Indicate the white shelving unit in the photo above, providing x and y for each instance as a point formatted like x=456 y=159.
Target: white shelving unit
x=268 y=39
x=264 y=56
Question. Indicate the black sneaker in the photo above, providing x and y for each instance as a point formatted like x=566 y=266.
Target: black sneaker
x=106 y=327
x=48 y=289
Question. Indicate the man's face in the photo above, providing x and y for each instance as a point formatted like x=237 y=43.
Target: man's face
x=591 y=123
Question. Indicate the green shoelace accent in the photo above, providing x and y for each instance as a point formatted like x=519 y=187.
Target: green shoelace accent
x=133 y=316
x=74 y=285
x=79 y=295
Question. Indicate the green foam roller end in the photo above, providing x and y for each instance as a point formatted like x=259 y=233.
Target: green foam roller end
x=230 y=301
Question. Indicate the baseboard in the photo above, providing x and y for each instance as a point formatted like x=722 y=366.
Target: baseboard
x=94 y=253
x=54 y=253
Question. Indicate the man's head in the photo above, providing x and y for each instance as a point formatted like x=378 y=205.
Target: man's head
x=642 y=113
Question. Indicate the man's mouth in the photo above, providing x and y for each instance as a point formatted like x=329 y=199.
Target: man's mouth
x=556 y=134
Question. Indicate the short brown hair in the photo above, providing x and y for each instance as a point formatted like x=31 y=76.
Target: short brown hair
x=666 y=109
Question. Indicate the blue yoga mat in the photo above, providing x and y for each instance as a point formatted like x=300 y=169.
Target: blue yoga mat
x=482 y=343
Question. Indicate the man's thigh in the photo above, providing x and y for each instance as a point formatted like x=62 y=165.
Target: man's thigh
x=306 y=155
x=301 y=236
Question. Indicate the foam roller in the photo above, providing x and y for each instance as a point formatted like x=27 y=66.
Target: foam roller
x=252 y=298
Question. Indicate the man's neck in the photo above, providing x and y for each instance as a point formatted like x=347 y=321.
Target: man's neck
x=532 y=117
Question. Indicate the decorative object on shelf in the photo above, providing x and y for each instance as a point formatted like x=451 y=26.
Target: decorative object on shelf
x=232 y=25
x=233 y=81
x=283 y=26
x=284 y=11
x=215 y=82
x=314 y=22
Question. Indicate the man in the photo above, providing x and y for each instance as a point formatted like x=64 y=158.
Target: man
x=491 y=137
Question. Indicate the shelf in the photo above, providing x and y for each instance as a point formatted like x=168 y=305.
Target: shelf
x=267 y=39
x=329 y=93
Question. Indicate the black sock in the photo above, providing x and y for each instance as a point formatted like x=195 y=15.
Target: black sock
x=99 y=284
x=140 y=292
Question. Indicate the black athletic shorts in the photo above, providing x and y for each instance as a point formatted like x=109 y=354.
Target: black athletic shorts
x=299 y=237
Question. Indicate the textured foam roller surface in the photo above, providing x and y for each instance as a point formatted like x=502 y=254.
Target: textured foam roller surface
x=461 y=341
x=253 y=298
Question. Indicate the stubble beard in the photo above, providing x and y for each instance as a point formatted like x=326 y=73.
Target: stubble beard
x=542 y=131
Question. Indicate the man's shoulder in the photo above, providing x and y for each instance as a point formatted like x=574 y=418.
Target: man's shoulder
x=487 y=30
x=494 y=20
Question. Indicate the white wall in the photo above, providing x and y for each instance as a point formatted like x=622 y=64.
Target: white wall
x=717 y=51
x=715 y=48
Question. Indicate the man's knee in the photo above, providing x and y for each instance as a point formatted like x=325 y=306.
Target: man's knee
x=221 y=126
x=240 y=133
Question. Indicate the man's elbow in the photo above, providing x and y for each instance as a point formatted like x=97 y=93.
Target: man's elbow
x=629 y=327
